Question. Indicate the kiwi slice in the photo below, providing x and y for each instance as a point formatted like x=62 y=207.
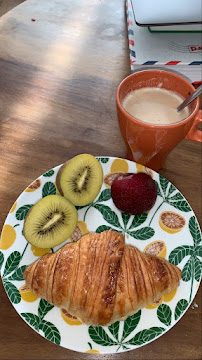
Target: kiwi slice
x=50 y=221
x=80 y=179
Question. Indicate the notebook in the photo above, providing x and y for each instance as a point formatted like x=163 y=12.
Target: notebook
x=176 y=51
x=159 y=12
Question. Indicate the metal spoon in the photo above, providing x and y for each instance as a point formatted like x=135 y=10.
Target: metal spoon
x=193 y=96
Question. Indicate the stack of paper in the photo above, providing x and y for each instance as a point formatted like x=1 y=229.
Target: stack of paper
x=179 y=51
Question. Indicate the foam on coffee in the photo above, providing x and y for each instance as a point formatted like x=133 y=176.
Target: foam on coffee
x=155 y=106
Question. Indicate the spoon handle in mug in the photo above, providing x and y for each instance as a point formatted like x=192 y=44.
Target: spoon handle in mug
x=190 y=98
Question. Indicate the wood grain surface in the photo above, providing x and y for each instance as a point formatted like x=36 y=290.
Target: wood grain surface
x=7 y=5
x=58 y=80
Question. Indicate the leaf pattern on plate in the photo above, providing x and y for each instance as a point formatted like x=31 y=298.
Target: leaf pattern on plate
x=12 y=292
x=99 y=336
x=44 y=308
x=130 y=324
x=125 y=218
x=37 y=321
x=48 y=189
x=102 y=228
x=171 y=189
x=50 y=331
x=179 y=253
x=49 y=173
x=32 y=320
x=192 y=268
x=165 y=191
x=180 y=308
x=12 y=262
x=197 y=269
x=114 y=329
x=195 y=230
x=22 y=211
x=158 y=189
x=1 y=259
x=124 y=335
x=105 y=195
x=164 y=314
x=177 y=196
x=164 y=184
x=145 y=335
x=18 y=274
x=108 y=214
x=142 y=234
x=180 y=205
x=138 y=220
x=187 y=270
x=198 y=250
x=103 y=160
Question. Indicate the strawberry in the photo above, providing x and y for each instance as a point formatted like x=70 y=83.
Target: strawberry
x=134 y=193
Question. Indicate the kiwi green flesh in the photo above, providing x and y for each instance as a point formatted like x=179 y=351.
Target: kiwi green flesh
x=80 y=179
x=50 y=222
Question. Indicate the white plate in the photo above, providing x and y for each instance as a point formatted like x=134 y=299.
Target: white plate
x=182 y=248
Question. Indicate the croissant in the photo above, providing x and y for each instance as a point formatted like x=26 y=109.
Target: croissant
x=100 y=280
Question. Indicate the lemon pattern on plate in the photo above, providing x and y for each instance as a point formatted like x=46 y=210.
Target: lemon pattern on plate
x=144 y=169
x=157 y=248
x=69 y=319
x=8 y=237
x=91 y=350
x=33 y=186
x=167 y=309
x=81 y=229
x=171 y=222
x=118 y=167
x=57 y=191
x=13 y=207
x=165 y=298
x=26 y=294
x=39 y=252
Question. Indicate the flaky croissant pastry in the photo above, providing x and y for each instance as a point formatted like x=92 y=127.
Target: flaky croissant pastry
x=100 y=280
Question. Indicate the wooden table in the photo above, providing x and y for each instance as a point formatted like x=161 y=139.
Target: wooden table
x=58 y=79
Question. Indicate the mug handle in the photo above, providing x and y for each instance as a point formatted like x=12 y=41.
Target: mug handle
x=194 y=133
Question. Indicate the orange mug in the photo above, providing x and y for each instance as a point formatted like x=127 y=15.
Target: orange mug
x=149 y=144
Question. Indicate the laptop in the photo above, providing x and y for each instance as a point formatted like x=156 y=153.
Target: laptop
x=171 y=12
